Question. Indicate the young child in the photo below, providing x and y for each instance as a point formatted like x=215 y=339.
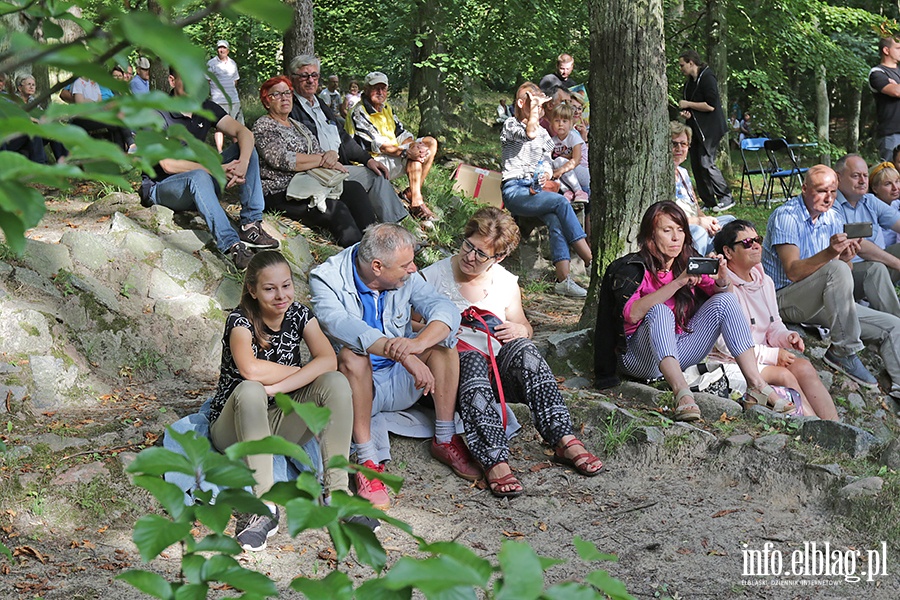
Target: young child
x=567 y=147
x=583 y=127
x=560 y=96
x=350 y=98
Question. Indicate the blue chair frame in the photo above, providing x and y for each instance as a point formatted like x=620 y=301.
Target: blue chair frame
x=755 y=147
x=786 y=172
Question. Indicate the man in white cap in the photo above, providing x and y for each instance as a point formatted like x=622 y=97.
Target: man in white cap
x=373 y=124
x=223 y=76
x=141 y=83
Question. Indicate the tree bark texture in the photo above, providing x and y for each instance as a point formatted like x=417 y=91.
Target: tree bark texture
x=717 y=53
x=426 y=86
x=823 y=111
x=299 y=38
x=630 y=154
x=855 y=106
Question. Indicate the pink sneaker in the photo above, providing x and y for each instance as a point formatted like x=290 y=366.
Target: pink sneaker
x=372 y=490
x=581 y=196
x=569 y=195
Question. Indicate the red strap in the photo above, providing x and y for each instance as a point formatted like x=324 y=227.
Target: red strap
x=470 y=313
x=478 y=185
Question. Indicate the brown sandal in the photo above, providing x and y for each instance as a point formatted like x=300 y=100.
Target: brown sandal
x=494 y=484
x=581 y=462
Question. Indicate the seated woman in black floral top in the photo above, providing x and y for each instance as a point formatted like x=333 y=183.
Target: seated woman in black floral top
x=261 y=357
x=285 y=148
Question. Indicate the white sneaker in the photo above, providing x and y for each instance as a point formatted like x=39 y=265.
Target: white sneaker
x=567 y=287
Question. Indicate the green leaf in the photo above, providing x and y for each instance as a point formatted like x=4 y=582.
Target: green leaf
x=523 y=577
x=464 y=556
x=368 y=549
x=305 y=486
x=192 y=591
x=274 y=12
x=304 y=514
x=17 y=203
x=195 y=447
x=248 y=580
x=588 y=551
x=147 y=582
x=378 y=589
x=335 y=586
x=192 y=565
x=159 y=461
x=5 y=551
x=609 y=585
x=272 y=444
x=570 y=590
x=224 y=472
x=169 y=495
x=431 y=575
x=219 y=565
x=240 y=500
x=215 y=542
x=315 y=417
x=215 y=516
x=152 y=534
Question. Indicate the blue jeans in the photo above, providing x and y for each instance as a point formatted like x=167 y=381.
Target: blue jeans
x=703 y=242
x=553 y=209
x=197 y=190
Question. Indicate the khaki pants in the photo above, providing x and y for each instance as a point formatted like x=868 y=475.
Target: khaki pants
x=246 y=416
x=872 y=282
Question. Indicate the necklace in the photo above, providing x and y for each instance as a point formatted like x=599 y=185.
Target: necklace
x=663 y=271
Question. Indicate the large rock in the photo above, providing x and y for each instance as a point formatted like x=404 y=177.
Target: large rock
x=141 y=245
x=98 y=289
x=296 y=250
x=771 y=444
x=35 y=280
x=646 y=395
x=87 y=249
x=163 y=286
x=23 y=331
x=861 y=488
x=228 y=294
x=54 y=382
x=186 y=306
x=188 y=240
x=120 y=223
x=712 y=407
x=47 y=259
x=180 y=266
x=80 y=474
x=565 y=345
x=838 y=436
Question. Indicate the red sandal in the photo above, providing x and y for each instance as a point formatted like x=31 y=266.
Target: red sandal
x=495 y=483
x=580 y=462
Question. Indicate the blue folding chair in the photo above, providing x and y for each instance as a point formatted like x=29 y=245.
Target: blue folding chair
x=786 y=171
x=753 y=147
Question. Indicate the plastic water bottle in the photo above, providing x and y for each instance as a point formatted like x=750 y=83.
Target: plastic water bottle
x=536 y=178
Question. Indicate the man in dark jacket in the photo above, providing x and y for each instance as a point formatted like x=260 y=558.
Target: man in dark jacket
x=338 y=145
x=702 y=111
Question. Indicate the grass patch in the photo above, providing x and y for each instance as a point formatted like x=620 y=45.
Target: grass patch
x=97 y=498
x=878 y=517
x=615 y=434
x=676 y=441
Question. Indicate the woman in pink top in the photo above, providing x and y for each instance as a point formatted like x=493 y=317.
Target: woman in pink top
x=741 y=246
x=673 y=319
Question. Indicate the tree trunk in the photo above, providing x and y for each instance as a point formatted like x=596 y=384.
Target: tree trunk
x=853 y=118
x=426 y=86
x=823 y=111
x=299 y=38
x=717 y=55
x=630 y=154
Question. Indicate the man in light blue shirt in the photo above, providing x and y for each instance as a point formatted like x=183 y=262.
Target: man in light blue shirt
x=808 y=255
x=876 y=269
x=140 y=83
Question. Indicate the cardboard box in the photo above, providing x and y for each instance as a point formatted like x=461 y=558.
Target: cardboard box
x=481 y=184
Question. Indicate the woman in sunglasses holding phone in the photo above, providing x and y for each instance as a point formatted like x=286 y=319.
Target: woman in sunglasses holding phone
x=474 y=277
x=741 y=246
x=671 y=319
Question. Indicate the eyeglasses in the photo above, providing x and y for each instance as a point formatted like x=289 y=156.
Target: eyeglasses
x=276 y=95
x=480 y=257
x=307 y=75
x=681 y=144
x=747 y=243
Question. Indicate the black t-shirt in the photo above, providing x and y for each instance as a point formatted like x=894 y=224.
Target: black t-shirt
x=198 y=126
x=551 y=81
x=284 y=349
x=708 y=127
x=887 y=108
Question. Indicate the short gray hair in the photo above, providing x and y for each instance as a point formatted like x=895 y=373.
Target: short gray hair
x=383 y=240
x=841 y=163
x=302 y=60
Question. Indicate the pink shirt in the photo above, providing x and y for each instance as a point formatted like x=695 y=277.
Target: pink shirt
x=649 y=285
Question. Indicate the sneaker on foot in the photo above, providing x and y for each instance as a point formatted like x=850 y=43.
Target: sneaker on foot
x=569 y=195
x=241 y=255
x=581 y=196
x=256 y=530
x=369 y=522
x=456 y=455
x=372 y=490
x=568 y=287
x=255 y=236
x=852 y=367
x=723 y=204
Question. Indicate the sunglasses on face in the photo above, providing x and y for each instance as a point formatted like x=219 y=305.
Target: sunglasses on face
x=480 y=257
x=747 y=243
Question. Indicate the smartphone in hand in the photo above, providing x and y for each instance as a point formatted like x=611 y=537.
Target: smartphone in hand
x=858 y=230
x=702 y=266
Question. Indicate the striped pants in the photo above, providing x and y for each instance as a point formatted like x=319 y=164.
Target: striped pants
x=526 y=378
x=655 y=338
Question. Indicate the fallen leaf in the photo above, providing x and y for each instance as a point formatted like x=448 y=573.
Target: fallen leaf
x=684 y=551
x=715 y=552
x=514 y=534
x=722 y=513
x=103 y=219
x=542 y=526
x=29 y=551
x=539 y=467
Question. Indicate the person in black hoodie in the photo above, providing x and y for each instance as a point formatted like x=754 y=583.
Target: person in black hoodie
x=702 y=111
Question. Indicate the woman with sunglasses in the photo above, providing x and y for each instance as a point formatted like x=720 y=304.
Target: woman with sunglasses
x=741 y=246
x=287 y=147
x=474 y=277
x=671 y=320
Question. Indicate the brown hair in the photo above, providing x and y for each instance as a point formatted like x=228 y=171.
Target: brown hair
x=269 y=84
x=685 y=302
x=250 y=305
x=497 y=227
x=522 y=111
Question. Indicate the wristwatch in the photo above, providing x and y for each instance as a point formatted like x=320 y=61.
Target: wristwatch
x=403 y=153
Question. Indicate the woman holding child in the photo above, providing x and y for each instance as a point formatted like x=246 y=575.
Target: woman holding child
x=741 y=246
x=286 y=147
x=261 y=356
x=474 y=277
x=526 y=148
x=671 y=320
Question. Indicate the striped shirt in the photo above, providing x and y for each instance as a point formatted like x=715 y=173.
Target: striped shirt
x=871 y=209
x=520 y=155
x=790 y=223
